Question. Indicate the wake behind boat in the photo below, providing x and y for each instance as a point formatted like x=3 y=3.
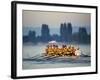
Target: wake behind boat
x=53 y=59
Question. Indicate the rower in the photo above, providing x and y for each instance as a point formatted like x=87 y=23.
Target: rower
x=73 y=51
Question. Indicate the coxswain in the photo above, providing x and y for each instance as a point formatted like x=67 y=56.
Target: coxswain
x=78 y=52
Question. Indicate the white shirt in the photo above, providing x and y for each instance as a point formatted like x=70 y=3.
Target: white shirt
x=78 y=52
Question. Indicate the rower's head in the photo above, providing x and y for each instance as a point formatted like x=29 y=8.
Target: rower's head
x=50 y=46
x=78 y=48
x=72 y=47
x=63 y=46
x=56 y=46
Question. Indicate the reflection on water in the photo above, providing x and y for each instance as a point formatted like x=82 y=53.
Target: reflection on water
x=33 y=59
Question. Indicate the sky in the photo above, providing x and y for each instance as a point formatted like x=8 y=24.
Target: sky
x=54 y=19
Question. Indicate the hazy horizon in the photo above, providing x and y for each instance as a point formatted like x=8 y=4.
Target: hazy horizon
x=53 y=30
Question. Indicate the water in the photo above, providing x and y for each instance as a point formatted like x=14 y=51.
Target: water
x=33 y=58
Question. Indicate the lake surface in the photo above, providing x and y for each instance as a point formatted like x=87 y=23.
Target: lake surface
x=33 y=58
